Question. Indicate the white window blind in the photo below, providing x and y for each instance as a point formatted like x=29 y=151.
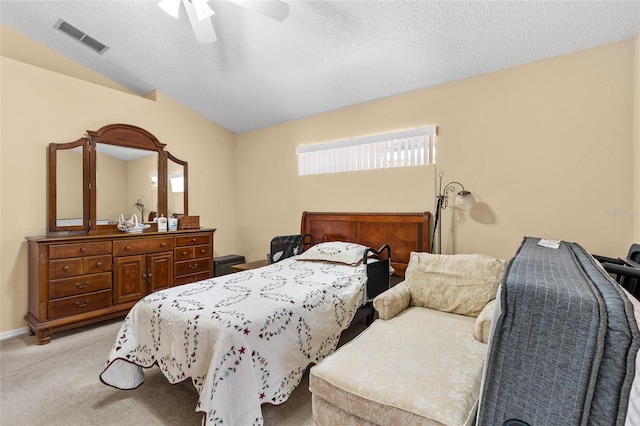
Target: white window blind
x=406 y=148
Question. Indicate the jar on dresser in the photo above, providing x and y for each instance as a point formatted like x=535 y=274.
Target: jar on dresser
x=76 y=280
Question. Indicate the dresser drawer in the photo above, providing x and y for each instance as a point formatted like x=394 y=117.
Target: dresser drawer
x=183 y=253
x=95 y=264
x=193 y=239
x=186 y=279
x=80 y=249
x=64 y=268
x=79 y=304
x=142 y=246
x=188 y=267
x=194 y=252
x=202 y=251
x=79 y=285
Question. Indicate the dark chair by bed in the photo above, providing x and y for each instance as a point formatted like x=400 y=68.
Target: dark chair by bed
x=285 y=246
x=625 y=271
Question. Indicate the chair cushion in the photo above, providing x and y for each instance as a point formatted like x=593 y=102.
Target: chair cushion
x=458 y=283
x=421 y=367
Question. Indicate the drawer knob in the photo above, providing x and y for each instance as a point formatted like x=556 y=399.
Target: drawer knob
x=83 y=249
x=202 y=250
x=127 y=248
x=163 y=244
x=98 y=264
x=85 y=285
x=184 y=253
x=82 y=305
x=193 y=240
x=65 y=268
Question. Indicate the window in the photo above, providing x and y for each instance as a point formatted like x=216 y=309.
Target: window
x=398 y=149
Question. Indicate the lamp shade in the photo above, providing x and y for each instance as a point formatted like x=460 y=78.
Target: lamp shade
x=465 y=197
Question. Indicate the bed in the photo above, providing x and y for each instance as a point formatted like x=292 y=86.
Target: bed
x=246 y=339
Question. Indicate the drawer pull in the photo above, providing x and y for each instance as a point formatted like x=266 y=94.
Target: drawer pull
x=83 y=249
x=127 y=248
x=184 y=253
x=82 y=305
x=202 y=251
x=65 y=268
x=193 y=240
x=194 y=266
x=98 y=264
x=85 y=285
x=163 y=244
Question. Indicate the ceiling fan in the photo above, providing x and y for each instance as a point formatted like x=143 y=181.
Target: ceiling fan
x=200 y=14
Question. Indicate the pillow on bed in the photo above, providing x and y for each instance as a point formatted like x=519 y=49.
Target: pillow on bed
x=458 y=283
x=335 y=251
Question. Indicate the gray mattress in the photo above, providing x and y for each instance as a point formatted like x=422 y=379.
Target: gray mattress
x=564 y=342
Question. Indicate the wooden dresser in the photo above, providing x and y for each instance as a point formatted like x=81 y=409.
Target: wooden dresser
x=76 y=280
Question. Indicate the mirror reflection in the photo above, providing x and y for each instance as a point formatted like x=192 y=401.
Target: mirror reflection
x=126 y=183
x=175 y=189
x=69 y=203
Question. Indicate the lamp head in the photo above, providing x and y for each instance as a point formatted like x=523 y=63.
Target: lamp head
x=465 y=197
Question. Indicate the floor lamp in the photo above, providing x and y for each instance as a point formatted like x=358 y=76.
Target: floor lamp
x=442 y=201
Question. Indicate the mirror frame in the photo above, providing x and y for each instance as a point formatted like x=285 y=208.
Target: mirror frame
x=53 y=184
x=185 y=172
x=124 y=135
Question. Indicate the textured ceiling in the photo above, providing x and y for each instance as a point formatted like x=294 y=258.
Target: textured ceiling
x=326 y=55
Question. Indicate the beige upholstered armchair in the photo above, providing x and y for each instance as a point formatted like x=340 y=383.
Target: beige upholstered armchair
x=398 y=298
x=421 y=362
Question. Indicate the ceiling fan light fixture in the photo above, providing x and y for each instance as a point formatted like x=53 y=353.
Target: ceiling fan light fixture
x=172 y=7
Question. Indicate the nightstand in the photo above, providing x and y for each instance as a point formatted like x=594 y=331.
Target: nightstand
x=249 y=265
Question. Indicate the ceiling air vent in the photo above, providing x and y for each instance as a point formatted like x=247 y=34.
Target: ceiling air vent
x=83 y=38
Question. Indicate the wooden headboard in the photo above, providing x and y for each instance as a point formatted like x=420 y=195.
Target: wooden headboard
x=403 y=232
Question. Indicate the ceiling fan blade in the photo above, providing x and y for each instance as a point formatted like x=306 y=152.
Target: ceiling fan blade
x=203 y=29
x=172 y=7
x=274 y=9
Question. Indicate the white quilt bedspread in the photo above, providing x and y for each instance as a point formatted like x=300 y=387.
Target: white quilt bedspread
x=243 y=339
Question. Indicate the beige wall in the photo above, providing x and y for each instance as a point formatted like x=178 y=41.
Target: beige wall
x=546 y=148
x=39 y=106
x=636 y=120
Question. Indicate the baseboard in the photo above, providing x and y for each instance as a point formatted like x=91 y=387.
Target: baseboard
x=12 y=333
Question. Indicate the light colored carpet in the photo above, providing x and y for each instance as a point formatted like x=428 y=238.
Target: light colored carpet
x=58 y=384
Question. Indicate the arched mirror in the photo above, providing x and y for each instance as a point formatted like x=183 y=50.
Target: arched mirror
x=118 y=169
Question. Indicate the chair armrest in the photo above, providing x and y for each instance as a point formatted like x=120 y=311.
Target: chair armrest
x=393 y=301
x=483 y=322
x=603 y=259
x=627 y=271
